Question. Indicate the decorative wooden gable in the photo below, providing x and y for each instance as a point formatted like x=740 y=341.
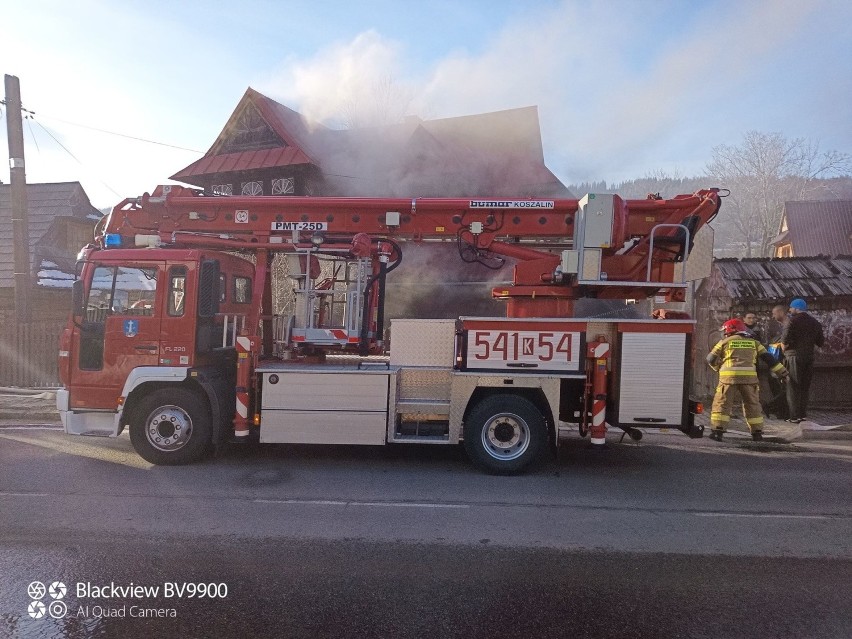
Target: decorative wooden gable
x=247 y=131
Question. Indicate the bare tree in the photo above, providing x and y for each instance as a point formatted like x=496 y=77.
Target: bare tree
x=765 y=171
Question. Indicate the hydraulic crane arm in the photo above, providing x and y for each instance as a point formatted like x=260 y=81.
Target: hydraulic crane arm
x=599 y=246
x=253 y=217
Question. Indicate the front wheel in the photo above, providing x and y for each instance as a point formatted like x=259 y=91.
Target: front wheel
x=171 y=426
x=504 y=434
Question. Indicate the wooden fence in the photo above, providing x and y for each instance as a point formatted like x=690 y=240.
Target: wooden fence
x=29 y=352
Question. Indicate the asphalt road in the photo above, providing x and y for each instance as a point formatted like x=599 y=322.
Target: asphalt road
x=670 y=538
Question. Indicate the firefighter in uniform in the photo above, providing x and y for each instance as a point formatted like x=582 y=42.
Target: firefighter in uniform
x=735 y=357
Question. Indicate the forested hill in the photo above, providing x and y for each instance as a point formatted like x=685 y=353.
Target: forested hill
x=639 y=189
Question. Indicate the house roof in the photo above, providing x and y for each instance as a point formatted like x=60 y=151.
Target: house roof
x=818 y=227
x=45 y=203
x=768 y=279
x=256 y=121
x=484 y=154
x=228 y=162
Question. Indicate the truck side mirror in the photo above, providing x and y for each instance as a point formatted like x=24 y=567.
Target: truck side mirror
x=208 y=289
x=77 y=297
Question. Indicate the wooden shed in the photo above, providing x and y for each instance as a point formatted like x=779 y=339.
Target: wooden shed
x=61 y=221
x=738 y=286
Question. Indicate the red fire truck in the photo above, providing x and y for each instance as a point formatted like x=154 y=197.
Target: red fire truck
x=173 y=333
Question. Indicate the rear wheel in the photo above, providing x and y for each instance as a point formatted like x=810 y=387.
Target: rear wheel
x=171 y=426
x=504 y=434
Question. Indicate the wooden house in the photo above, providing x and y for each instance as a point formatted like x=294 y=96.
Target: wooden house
x=266 y=148
x=815 y=228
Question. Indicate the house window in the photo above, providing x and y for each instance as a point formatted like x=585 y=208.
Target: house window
x=223 y=189
x=252 y=188
x=785 y=251
x=284 y=186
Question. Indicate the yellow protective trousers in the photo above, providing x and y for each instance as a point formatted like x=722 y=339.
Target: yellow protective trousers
x=723 y=403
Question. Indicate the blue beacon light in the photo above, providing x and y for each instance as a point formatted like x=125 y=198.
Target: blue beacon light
x=112 y=240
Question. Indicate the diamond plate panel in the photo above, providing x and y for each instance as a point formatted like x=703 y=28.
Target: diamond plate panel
x=418 y=383
x=422 y=342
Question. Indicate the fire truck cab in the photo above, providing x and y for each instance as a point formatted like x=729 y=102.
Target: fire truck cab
x=145 y=319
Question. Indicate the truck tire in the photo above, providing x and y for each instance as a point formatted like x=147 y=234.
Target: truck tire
x=503 y=434
x=171 y=426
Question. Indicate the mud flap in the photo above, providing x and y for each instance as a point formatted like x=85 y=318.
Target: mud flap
x=691 y=429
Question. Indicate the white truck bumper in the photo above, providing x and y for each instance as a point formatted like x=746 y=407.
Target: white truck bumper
x=102 y=423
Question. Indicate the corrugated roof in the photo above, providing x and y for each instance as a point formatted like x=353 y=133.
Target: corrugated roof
x=768 y=279
x=45 y=203
x=266 y=158
x=818 y=227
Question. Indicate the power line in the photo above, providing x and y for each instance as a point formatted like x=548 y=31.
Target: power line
x=122 y=135
x=32 y=135
x=43 y=128
x=30 y=115
x=115 y=133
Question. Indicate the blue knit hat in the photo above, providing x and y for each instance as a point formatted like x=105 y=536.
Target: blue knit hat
x=799 y=304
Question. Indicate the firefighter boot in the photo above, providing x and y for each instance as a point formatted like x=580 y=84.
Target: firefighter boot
x=757 y=436
x=716 y=435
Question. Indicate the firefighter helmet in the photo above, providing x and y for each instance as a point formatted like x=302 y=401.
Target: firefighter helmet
x=734 y=326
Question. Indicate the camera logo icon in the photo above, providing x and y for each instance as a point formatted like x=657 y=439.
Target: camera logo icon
x=36 y=610
x=57 y=590
x=36 y=590
x=56 y=608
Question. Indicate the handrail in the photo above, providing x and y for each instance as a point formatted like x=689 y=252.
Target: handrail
x=230 y=321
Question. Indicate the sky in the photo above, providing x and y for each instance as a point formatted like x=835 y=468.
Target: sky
x=624 y=89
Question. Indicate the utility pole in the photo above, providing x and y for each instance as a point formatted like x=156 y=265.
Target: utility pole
x=18 y=199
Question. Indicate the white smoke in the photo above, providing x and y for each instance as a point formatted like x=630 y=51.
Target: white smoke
x=616 y=98
x=339 y=79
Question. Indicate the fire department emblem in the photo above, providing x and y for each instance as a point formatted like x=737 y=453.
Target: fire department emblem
x=131 y=328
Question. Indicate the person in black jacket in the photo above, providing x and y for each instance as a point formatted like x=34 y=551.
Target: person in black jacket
x=764 y=378
x=802 y=333
x=776 y=402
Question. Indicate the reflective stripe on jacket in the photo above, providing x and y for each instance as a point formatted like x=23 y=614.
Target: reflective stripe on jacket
x=735 y=357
